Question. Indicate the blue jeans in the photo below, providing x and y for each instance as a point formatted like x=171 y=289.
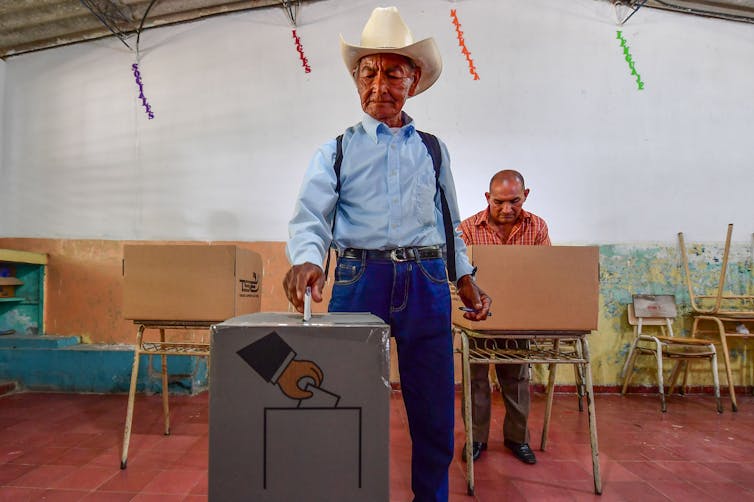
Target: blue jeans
x=414 y=299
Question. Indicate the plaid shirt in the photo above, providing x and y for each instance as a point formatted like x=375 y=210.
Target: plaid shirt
x=529 y=230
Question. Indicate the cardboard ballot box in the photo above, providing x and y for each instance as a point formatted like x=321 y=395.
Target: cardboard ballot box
x=190 y=282
x=271 y=441
x=536 y=287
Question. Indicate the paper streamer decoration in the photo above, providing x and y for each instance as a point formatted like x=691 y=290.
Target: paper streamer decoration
x=462 y=44
x=142 y=97
x=629 y=60
x=300 y=49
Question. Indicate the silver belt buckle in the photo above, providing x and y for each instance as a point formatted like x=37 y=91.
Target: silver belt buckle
x=399 y=254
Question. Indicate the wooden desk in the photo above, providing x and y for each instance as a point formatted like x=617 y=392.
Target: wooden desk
x=546 y=347
x=162 y=348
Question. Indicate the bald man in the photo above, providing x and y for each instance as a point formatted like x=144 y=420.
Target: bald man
x=504 y=222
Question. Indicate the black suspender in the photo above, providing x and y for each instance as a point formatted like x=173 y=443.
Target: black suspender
x=433 y=147
x=336 y=168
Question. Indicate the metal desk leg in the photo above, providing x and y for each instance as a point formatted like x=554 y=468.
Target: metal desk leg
x=715 y=379
x=552 y=370
x=592 y=417
x=467 y=412
x=660 y=382
x=131 y=397
x=579 y=379
x=165 y=393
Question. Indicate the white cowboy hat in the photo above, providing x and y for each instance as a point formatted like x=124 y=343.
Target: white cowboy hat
x=385 y=32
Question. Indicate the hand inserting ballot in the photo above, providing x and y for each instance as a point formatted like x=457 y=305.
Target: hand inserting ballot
x=293 y=374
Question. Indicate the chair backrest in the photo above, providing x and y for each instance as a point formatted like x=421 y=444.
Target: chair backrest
x=734 y=304
x=662 y=306
x=652 y=309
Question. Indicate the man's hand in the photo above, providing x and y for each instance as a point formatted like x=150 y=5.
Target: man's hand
x=293 y=374
x=298 y=278
x=474 y=298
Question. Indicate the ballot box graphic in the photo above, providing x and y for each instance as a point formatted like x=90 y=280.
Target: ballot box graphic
x=299 y=410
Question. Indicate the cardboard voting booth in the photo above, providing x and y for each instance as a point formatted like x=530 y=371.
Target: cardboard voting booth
x=185 y=282
x=325 y=436
x=536 y=287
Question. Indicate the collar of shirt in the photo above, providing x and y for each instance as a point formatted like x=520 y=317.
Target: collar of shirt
x=374 y=127
x=483 y=221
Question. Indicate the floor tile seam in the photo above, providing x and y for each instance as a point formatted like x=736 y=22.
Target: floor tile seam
x=699 y=484
x=94 y=488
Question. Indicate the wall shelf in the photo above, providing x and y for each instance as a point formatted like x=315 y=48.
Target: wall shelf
x=23 y=312
x=9 y=300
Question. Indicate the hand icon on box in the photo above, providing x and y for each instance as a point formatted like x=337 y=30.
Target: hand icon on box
x=275 y=361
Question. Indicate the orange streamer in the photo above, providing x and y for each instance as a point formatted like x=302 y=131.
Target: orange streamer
x=462 y=44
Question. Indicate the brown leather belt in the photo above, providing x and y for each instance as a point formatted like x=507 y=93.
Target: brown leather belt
x=397 y=254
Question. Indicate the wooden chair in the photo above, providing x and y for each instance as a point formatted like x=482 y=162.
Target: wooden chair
x=720 y=316
x=659 y=311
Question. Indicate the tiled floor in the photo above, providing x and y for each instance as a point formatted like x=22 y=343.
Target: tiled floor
x=67 y=447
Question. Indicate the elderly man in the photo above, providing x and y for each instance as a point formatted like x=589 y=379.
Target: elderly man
x=504 y=222
x=378 y=194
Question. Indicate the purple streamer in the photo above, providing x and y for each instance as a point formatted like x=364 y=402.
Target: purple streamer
x=142 y=97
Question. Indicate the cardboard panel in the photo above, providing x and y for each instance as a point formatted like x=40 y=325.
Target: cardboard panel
x=189 y=283
x=536 y=287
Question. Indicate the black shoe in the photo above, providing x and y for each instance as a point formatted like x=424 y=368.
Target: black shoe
x=476 y=450
x=522 y=451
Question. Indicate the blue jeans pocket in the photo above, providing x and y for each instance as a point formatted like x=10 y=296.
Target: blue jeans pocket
x=348 y=271
x=434 y=270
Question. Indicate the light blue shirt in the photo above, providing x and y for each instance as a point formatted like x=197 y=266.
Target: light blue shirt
x=388 y=196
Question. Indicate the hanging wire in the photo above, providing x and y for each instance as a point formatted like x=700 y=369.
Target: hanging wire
x=634 y=9
x=141 y=25
x=110 y=14
x=291 y=10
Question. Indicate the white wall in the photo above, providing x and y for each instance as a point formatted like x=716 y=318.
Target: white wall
x=237 y=120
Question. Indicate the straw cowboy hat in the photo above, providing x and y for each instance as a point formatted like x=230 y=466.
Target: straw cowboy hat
x=385 y=32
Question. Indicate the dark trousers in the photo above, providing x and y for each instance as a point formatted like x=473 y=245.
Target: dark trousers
x=514 y=386
x=414 y=299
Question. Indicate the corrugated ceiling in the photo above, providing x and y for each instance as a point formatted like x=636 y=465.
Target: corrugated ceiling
x=30 y=25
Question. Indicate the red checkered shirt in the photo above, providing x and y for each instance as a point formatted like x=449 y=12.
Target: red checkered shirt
x=529 y=230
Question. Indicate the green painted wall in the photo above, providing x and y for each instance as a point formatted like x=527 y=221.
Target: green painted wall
x=657 y=269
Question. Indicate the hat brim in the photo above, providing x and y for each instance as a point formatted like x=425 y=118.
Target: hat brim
x=425 y=54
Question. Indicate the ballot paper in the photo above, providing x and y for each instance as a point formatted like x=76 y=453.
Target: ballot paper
x=320 y=398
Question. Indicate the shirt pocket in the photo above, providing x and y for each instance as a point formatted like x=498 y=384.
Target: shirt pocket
x=424 y=200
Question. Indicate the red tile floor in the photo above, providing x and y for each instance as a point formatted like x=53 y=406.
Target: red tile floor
x=67 y=447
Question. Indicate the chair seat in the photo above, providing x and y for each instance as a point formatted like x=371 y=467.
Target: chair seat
x=727 y=315
x=679 y=351
x=666 y=346
x=688 y=353
x=678 y=341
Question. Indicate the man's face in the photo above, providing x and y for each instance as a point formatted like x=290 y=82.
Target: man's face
x=506 y=200
x=384 y=82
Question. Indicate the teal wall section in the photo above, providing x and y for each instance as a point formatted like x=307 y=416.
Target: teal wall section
x=24 y=313
x=62 y=364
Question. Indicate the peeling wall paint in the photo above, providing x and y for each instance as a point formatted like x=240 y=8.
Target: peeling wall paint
x=83 y=298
